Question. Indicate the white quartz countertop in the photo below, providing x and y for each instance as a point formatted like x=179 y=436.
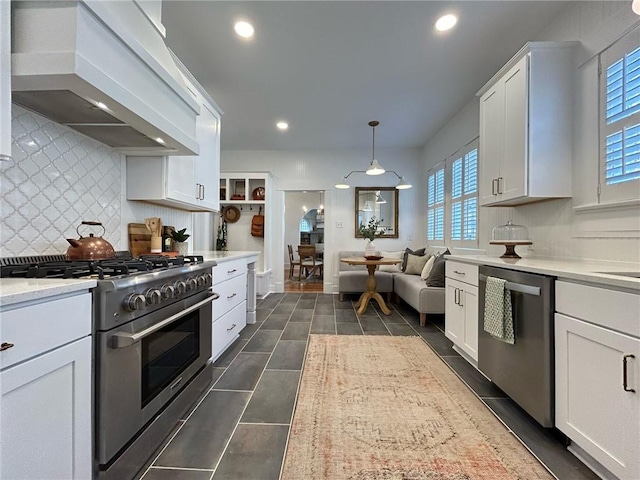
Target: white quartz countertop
x=17 y=290
x=583 y=270
x=220 y=256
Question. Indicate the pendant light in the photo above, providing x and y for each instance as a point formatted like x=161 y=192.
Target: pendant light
x=374 y=168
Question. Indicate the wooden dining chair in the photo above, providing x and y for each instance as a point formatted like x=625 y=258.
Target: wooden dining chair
x=293 y=262
x=308 y=261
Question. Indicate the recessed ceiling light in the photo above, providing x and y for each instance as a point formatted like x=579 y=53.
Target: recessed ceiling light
x=159 y=140
x=282 y=125
x=101 y=105
x=446 y=22
x=244 y=29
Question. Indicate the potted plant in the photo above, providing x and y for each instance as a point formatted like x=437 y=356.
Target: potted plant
x=371 y=231
x=180 y=237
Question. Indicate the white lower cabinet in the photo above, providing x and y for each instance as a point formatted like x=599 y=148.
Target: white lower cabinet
x=226 y=329
x=598 y=378
x=46 y=394
x=461 y=307
x=230 y=310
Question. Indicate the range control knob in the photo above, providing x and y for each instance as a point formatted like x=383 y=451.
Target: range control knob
x=153 y=296
x=192 y=283
x=208 y=278
x=180 y=286
x=201 y=280
x=167 y=291
x=135 y=301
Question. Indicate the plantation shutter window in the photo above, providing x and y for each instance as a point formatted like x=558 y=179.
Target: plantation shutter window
x=464 y=194
x=435 y=205
x=620 y=119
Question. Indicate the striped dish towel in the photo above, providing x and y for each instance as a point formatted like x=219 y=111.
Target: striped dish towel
x=498 y=320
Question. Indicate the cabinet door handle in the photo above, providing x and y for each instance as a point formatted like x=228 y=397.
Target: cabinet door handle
x=459 y=273
x=202 y=192
x=231 y=271
x=500 y=180
x=231 y=327
x=455 y=296
x=231 y=296
x=197 y=191
x=460 y=292
x=494 y=189
x=6 y=346
x=625 y=385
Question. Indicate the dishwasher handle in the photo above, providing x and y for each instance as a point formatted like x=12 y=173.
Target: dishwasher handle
x=516 y=287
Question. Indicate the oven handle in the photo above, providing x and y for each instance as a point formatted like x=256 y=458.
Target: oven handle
x=517 y=287
x=121 y=340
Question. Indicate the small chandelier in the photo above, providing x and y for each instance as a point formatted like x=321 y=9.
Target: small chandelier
x=374 y=167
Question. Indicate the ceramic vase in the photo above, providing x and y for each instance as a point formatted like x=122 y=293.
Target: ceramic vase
x=183 y=248
x=369 y=249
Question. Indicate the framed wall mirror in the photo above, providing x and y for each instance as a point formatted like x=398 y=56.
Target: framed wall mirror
x=379 y=202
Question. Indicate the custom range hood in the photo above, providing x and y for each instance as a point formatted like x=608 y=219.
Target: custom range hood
x=102 y=68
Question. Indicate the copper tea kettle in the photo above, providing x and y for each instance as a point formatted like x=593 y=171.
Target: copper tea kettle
x=91 y=247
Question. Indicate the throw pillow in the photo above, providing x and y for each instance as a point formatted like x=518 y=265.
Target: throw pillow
x=415 y=264
x=406 y=253
x=427 y=267
x=393 y=256
x=436 y=276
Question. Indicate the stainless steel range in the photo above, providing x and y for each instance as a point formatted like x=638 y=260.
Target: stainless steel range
x=152 y=344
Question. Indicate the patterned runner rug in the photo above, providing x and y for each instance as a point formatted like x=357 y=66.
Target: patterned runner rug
x=387 y=408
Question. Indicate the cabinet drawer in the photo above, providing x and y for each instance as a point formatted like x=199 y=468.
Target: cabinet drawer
x=462 y=271
x=227 y=328
x=232 y=292
x=608 y=308
x=226 y=270
x=35 y=329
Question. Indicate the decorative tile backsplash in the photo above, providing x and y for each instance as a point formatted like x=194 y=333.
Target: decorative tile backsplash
x=58 y=178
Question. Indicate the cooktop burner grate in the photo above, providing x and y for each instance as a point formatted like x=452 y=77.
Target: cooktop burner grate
x=56 y=266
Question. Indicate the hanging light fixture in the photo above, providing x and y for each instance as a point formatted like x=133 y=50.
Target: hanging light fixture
x=367 y=206
x=635 y=6
x=374 y=167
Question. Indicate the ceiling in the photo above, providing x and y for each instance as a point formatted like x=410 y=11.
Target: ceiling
x=329 y=67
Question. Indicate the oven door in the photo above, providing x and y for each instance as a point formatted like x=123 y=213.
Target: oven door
x=142 y=365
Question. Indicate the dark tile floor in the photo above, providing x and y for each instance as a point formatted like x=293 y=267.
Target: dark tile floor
x=240 y=428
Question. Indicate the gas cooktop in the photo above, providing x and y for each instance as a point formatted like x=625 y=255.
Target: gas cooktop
x=123 y=265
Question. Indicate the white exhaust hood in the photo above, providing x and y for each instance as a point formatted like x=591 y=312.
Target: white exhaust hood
x=102 y=68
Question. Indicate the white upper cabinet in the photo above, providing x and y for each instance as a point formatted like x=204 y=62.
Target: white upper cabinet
x=188 y=182
x=525 y=127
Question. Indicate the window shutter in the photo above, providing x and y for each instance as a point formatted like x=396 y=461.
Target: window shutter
x=435 y=205
x=464 y=192
x=620 y=122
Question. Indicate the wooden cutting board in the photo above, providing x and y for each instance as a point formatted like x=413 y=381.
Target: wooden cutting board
x=139 y=239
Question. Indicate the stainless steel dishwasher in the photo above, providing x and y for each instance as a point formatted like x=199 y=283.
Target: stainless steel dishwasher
x=524 y=370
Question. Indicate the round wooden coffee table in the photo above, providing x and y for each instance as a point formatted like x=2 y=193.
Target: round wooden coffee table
x=371 y=292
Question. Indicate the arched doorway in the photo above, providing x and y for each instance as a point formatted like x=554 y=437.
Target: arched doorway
x=304 y=225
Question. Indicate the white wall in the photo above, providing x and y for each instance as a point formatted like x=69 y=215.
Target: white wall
x=555 y=228
x=320 y=170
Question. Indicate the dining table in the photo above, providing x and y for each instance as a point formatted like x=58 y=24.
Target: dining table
x=371 y=293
